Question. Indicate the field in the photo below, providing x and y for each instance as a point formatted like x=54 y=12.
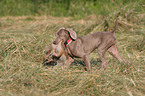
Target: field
x=23 y=40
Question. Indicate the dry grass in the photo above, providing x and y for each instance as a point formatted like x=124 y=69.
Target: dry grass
x=24 y=39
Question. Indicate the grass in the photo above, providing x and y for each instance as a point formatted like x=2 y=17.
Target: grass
x=23 y=40
x=74 y=8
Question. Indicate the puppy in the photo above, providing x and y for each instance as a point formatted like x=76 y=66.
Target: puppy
x=81 y=47
x=55 y=53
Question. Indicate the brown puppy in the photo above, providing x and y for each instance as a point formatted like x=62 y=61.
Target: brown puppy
x=55 y=53
x=81 y=47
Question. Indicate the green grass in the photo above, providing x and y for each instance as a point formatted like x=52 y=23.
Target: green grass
x=71 y=8
x=23 y=40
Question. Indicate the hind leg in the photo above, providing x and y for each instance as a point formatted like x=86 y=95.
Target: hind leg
x=114 y=52
x=101 y=53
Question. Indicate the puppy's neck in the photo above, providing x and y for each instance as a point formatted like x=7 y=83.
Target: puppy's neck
x=68 y=41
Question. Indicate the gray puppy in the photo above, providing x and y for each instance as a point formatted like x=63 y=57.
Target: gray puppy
x=81 y=47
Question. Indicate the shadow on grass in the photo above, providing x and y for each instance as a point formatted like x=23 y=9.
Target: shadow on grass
x=94 y=62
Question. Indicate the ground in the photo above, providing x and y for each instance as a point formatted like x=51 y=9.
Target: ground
x=23 y=41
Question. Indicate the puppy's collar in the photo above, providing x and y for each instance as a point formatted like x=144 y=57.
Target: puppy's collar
x=68 y=42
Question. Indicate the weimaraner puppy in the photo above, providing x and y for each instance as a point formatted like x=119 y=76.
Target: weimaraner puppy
x=81 y=47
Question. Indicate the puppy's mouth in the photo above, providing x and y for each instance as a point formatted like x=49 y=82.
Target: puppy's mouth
x=55 y=43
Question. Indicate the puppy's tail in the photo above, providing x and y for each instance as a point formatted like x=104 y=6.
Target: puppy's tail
x=115 y=27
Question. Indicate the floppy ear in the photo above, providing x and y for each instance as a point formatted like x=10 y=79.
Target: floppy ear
x=59 y=29
x=72 y=33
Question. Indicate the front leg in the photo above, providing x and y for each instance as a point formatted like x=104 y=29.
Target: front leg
x=68 y=62
x=87 y=62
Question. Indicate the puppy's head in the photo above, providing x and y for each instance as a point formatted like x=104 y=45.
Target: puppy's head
x=63 y=34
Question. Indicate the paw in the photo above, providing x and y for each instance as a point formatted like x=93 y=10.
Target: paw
x=54 y=55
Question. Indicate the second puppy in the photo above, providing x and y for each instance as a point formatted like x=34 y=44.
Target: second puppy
x=55 y=53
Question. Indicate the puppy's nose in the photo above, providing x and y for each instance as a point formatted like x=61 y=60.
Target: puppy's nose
x=54 y=42
x=46 y=59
